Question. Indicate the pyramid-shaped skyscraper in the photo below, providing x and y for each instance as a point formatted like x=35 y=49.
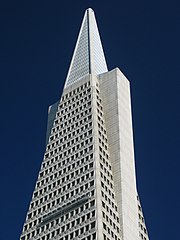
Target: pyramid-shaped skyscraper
x=86 y=188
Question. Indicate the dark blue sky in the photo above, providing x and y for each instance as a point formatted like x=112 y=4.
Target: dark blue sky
x=142 y=38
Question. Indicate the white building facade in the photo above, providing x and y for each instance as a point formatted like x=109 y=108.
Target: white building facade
x=86 y=188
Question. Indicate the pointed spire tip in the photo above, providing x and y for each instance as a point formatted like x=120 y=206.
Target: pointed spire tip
x=88 y=56
x=89 y=9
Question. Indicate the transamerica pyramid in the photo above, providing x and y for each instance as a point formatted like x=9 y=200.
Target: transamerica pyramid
x=86 y=188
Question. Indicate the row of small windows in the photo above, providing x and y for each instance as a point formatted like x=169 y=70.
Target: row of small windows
x=109 y=198
x=70 y=236
x=73 y=103
x=65 y=165
x=99 y=106
x=70 y=195
x=105 y=164
x=73 y=122
x=97 y=91
x=74 y=131
x=69 y=177
x=89 y=237
x=63 y=220
x=71 y=137
x=142 y=236
x=108 y=182
x=79 y=139
x=100 y=112
x=105 y=178
x=74 y=108
x=80 y=231
x=102 y=129
x=51 y=169
x=110 y=232
x=74 y=98
x=110 y=221
x=110 y=202
x=68 y=192
x=79 y=171
x=103 y=152
x=70 y=144
x=108 y=205
x=142 y=228
x=75 y=143
x=75 y=91
x=99 y=99
x=76 y=115
x=141 y=223
x=69 y=129
x=59 y=174
x=100 y=120
x=105 y=237
x=108 y=209
x=33 y=214
x=69 y=133
x=56 y=193
x=102 y=139
x=103 y=144
x=79 y=154
x=98 y=102
x=77 y=112
x=111 y=218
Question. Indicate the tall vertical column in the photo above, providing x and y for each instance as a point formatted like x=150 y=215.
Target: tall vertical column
x=115 y=92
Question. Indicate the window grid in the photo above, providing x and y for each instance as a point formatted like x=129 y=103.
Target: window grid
x=67 y=171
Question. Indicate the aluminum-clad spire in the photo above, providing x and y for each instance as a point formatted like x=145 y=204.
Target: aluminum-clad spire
x=88 y=56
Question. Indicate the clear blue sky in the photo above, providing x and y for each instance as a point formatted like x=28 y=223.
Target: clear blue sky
x=142 y=38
